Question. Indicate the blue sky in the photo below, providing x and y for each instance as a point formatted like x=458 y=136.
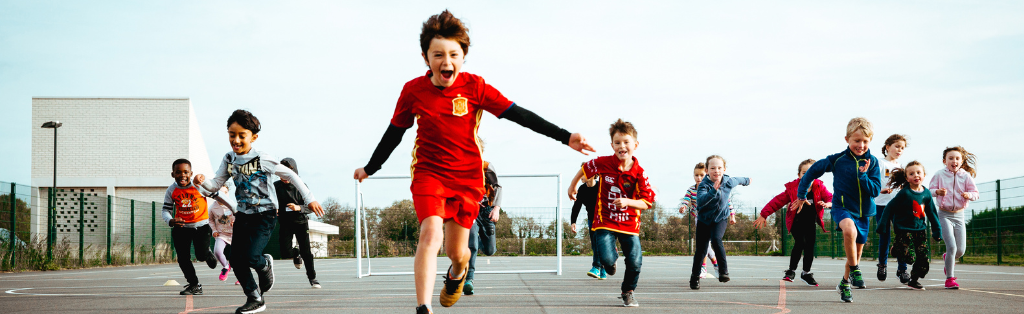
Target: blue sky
x=764 y=84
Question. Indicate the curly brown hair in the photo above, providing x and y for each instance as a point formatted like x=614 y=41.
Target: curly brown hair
x=447 y=26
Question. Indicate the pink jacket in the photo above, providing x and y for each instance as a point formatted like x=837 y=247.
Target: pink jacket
x=955 y=185
x=819 y=193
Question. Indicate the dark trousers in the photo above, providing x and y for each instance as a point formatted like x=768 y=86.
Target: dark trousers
x=479 y=241
x=713 y=233
x=884 y=239
x=251 y=234
x=633 y=258
x=804 y=235
x=912 y=247
x=301 y=233
x=184 y=239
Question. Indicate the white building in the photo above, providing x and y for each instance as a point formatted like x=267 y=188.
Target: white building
x=318 y=232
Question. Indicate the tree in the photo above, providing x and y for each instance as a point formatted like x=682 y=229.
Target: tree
x=341 y=216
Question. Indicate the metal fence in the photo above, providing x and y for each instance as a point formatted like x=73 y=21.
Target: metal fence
x=83 y=228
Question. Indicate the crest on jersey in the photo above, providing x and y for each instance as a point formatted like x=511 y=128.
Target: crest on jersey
x=460 y=106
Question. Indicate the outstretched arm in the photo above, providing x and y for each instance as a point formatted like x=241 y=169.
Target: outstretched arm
x=534 y=122
x=392 y=137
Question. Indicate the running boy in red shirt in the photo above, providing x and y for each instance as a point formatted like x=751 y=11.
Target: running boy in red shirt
x=447 y=169
x=623 y=192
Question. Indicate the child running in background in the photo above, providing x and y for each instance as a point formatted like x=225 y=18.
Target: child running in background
x=294 y=223
x=857 y=181
x=586 y=196
x=222 y=220
x=689 y=204
x=801 y=224
x=481 y=235
x=625 y=191
x=954 y=188
x=892 y=150
x=185 y=211
x=907 y=211
x=713 y=216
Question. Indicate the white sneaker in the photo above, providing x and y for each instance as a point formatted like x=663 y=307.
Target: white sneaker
x=703 y=272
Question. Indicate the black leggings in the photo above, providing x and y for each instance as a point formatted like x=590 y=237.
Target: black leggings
x=805 y=235
x=713 y=233
x=301 y=234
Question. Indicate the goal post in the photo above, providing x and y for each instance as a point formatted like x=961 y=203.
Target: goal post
x=362 y=243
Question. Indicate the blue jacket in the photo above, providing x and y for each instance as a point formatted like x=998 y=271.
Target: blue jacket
x=854 y=191
x=712 y=204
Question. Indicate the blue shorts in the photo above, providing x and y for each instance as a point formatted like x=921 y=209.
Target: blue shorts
x=862 y=223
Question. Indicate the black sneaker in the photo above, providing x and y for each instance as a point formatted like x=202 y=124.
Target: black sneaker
x=422 y=309
x=790 y=275
x=723 y=277
x=190 y=289
x=315 y=284
x=297 y=260
x=695 y=282
x=266 y=276
x=211 y=261
x=914 y=284
x=857 y=278
x=610 y=269
x=809 y=279
x=845 y=293
x=903 y=276
x=251 y=306
x=628 y=300
x=881 y=272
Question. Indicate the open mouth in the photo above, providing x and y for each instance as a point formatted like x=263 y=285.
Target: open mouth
x=447 y=74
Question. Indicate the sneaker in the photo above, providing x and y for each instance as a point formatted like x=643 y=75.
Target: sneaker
x=882 y=272
x=845 y=293
x=604 y=274
x=695 y=282
x=610 y=269
x=315 y=284
x=190 y=289
x=716 y=268
x=809 y=279
x=628 y=300
x=903 y=275
x=857 y=279
x=237 y=283
x=703 y=272
x=266 y=277
x=452 y=290
x=467 y=288
x=251 y=306
x=951 y=283
x=723 y=277
x=422 y=309
x=789 y=275
x=224 y=274
x=915 y=285
x=594 y=272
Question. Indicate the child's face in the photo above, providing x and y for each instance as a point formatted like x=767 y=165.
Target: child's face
x=444 y=57
x=915 y=175
x=858 y=142
x=896 y=149
x=182 y=174
x=623 y=145
x=716 y=169
x=698 y=174
x=953 y=160
x=240 y=138
x=803 y=170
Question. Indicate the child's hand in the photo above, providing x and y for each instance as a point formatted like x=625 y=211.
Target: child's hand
x=360 y=175
x=683 y=209
x=760 y=222
x=177 y=222
x=864 y=168
x=885 y=191
x=732 y=219
x=797 y=205
x=966 y=195
x=940 y=192
x=824 y=204
x=572 y=193
x=315 y=207
x=573 y=227
x=294 y=208
x=578 y=143
x=198 y=180
x=216 y=234
x=622 y=202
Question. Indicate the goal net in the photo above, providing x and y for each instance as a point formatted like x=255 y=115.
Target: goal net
x=529 y=225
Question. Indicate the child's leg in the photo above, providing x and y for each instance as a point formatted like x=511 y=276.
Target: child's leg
x=884 y=239
x=798 y=245
x=182 y=238
x=850 y=245
x=960 y=233
x=711 y=255
x=284 y=239
x=633 y=257
x=921 y=255
x=810 y=239
x=703 y=235
x=218 y=251
x=901 y=246
x=431 y=237
x=593 y=248
x=955 y=239
x=456 y=237
x=605 y=252
x=201 y=240
x=488 y=244
x=473 y=243
x=717 y=232
x=305 y=251
x=250 y=236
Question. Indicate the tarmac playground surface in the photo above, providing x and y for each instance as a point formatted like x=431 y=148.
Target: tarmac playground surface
x=755 y=288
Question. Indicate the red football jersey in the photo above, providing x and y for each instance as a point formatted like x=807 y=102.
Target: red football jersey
x=447 y=122
x=613 y=184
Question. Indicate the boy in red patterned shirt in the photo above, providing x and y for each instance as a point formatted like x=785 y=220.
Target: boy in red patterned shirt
x=624 y=191
x=447 y=169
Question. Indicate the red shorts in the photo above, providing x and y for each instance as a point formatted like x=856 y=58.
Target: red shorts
x=449 y=200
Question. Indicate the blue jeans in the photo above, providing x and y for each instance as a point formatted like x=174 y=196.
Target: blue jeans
x=605 y=240
x=479 y=241
x=884 y=239
x=596 y=263
x=250 y=235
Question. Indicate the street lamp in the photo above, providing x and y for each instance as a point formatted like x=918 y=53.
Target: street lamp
x=51 y=226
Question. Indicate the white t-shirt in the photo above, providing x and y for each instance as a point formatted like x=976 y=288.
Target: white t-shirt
x=886 y=167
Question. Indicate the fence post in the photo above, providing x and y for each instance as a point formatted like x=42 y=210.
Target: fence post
x=50 y=207
x=757 y=235
x=81 y=228
x=132 y=228
x=999 y=233
x=152 y=226
x=12 y=238
x=110 y=227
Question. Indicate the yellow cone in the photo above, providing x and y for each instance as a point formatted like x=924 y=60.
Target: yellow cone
x=172 y=283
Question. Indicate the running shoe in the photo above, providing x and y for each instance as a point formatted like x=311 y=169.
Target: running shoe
x=211 y=261
x=467 y=288
x=251 y=306
x=628 y=300
x=789 y=275
x=315 y=284
x=882 y=272
x=915 y=285
x=845 y=293
x=604 y=274
x=809 y=279
x=903 y=275
x=695 y=282
x=594 y=272
x=715 y=265
x=452 y=290
x=224 y=274
x=190 y=289
x=857 y=279
x=266 y=276
x=422 y=309
x=237 y=283
x=610 y=269
x=723 y=277
x=951 y=283
x=703 y=272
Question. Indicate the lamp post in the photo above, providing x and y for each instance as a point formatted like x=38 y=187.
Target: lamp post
x=50 y=226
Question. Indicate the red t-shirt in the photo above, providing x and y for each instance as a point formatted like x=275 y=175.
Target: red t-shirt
x=447 y=121
x=613 y=184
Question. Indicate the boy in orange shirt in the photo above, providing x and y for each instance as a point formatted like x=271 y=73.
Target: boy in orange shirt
x=185 y=211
